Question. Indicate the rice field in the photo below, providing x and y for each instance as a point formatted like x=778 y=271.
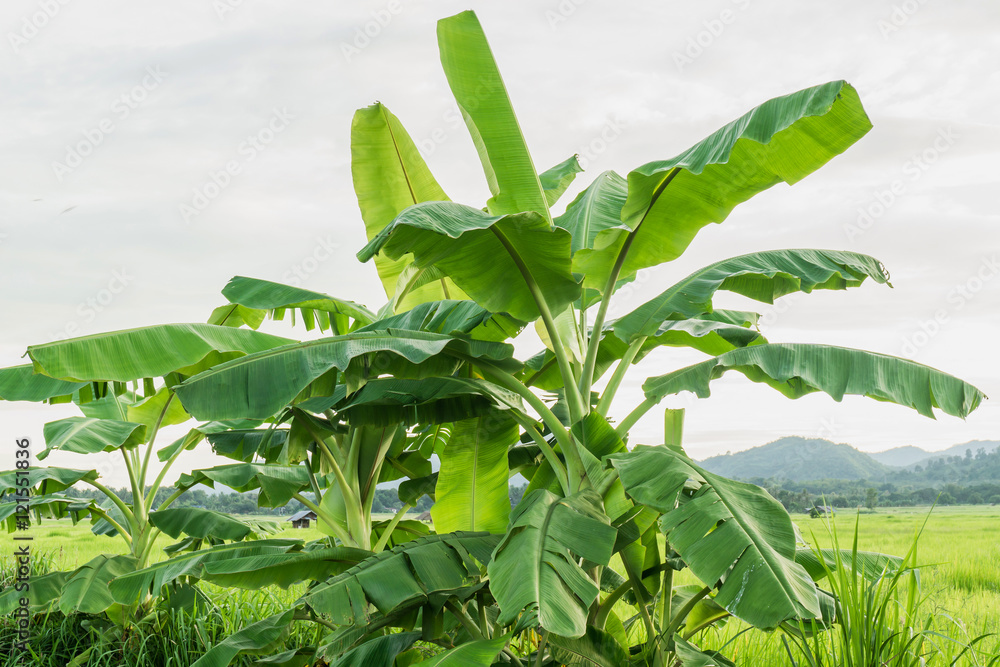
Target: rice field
x=959 y=548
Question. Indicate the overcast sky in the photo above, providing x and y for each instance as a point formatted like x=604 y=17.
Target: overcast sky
x=115 y=115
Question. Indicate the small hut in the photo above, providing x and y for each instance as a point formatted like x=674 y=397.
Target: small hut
x=425 y=517
x=301 y=519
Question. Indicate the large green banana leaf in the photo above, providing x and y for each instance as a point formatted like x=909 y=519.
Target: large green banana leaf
x=596 y=648
x=21 y=383
x=763 y=276
x=732 y=535
x=799 y=369
x=81 y=435
x=248 y=444
x=473 y=483
x=556 y=180
x=259 y=385
x=871 y=565
x=127 y=588
x=86 y=590
x=277 y=483
x=191 y=439
x=379 y=651
x=281 y=569
x=692 y=656
x=389 y=176
x=44 y=480
x=43 y=596
x=433 y=400
x=482 y=98
x=50 y=505
x=536 y=566
x=705 y=612
x=123 y=356
x=497 y=260
x=202 y=523
x=410 y=575
x=712 y=333
x=317 y=309
x=161 y=408
x=597 y=208
x=452 y=317
x=783 y=139
x=260 y=637
x=478 y=653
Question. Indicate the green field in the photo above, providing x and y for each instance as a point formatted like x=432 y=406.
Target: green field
x=960 y=547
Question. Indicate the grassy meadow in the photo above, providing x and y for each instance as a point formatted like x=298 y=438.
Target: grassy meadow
x=960 y=548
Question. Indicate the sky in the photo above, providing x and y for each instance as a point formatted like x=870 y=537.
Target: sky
x=151 y=151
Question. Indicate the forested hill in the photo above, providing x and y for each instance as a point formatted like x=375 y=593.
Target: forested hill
x=904 y=457
x=798 y=459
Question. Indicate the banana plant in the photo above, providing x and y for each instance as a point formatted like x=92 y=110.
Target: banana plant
x=120 y=382
x=546 y=589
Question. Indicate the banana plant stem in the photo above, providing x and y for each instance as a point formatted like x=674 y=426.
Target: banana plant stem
x=170 y=499
x=125 y=509
x=137 y=499
x=574 y=464
x=107 y=517
x=382 y=541
x=577 y=408
x=609 y=602
x=340 y=532
x=152 y=436
x=463 y=618
x=151 y=496
x=587 y=376
x=616 y=379
x=547 y=451
x=352 y=505
x=623 y=428
x=683 y=612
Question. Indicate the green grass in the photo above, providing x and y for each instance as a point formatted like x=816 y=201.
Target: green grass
x=960 y=548
x=960 y=551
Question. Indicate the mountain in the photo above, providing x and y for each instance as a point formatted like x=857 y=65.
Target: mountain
x=900 y=457
x=908 y=456
x=798 y=459
x=959 y=450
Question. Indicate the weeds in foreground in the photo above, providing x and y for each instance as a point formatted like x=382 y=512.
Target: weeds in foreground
x=883 y=621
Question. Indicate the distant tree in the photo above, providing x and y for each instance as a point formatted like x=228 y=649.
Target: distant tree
x=871 y=498
x=516 y=493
